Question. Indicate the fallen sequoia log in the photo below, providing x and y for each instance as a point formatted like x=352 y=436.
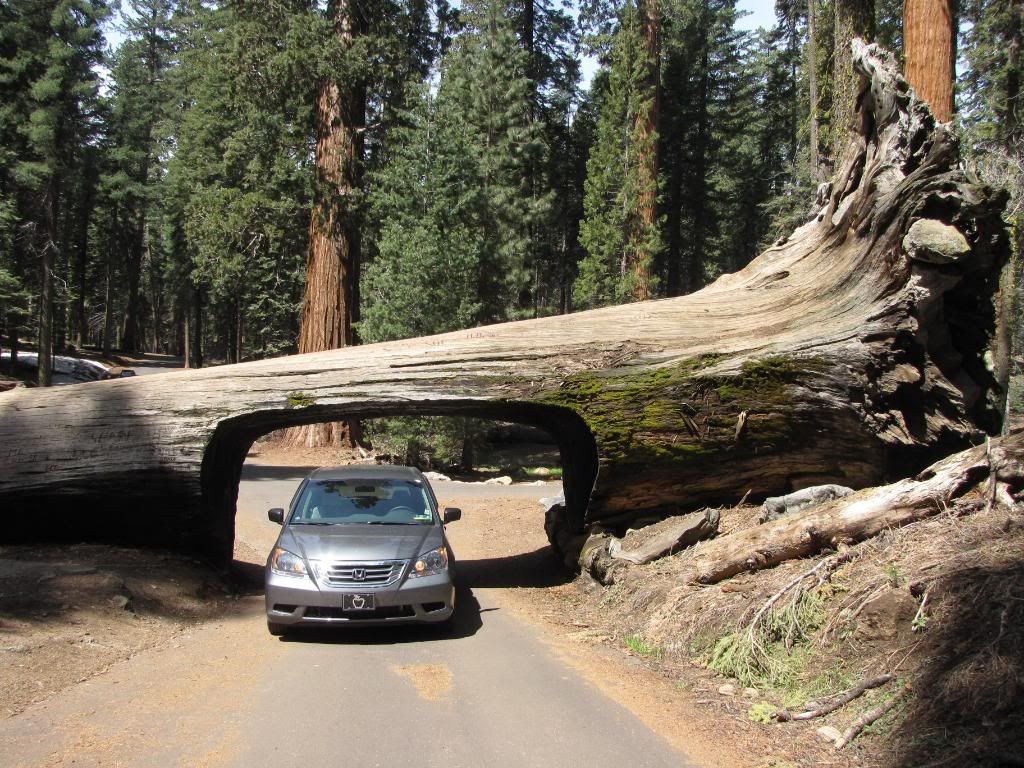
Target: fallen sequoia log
x=860 y=349
x=988 y=473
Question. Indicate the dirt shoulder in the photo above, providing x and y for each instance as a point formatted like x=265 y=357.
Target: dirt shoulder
x=70 y=612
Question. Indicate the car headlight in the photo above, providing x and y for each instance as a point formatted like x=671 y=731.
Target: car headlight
x=430 y=563
x=286 y=563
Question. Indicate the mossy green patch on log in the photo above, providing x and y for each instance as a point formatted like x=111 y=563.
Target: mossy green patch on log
x=682 y=413
x=300 y=400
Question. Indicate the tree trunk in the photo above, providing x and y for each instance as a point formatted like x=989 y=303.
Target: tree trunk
x=332 y=267
x=108 y=298
x=12 y=332
x=858 y=351
x=196 y=358
x=45 y=357
x=853 y=18
x=130 y=342
x=186 y=338
x=929 y=52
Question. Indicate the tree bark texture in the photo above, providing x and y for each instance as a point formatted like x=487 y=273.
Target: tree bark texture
x=858 y=351
x=332 y=266
x=929 y=51
x=853 y=18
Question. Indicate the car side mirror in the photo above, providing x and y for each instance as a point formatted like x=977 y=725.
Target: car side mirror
x=451 y=514
x=276 y=515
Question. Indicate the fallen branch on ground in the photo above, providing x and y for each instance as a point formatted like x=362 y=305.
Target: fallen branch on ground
x=838 y=701
x=870 y=716
x=823 y=570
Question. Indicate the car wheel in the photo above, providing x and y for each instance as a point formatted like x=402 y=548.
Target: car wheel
x=277 y=630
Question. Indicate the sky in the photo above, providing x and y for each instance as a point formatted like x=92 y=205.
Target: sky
x=762 y=13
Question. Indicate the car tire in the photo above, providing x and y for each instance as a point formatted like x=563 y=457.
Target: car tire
x=277 y=630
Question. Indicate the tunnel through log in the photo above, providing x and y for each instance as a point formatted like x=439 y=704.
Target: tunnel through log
x=225 y=455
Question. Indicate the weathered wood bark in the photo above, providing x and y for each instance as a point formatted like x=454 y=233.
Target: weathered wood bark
x=929 y=52
x=995 y=472
x=853 y=353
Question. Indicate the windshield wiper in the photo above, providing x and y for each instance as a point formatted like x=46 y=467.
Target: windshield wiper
x=388 y=522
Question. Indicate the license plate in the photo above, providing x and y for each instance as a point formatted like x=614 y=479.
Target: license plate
x=357 y=602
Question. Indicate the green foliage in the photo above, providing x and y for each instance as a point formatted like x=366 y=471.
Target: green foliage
x=762 y=712
x=992 y=106
x=433 y=441
x=641 y=647
x=13 y=296
x=300 y=400
x=775 y=653
x=893 y=575
x=454 y=239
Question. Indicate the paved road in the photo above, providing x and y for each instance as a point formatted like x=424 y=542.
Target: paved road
x=493 y=693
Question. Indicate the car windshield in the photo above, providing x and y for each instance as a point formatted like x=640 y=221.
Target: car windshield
x=383 y=502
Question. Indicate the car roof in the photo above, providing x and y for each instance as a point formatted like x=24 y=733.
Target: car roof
x=367 y=472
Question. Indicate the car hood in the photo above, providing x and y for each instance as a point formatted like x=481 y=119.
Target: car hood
x=356 y=542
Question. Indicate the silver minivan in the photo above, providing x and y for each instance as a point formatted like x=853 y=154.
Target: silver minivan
x=360 y=545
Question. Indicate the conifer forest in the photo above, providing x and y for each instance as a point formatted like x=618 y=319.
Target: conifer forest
x=227 y=180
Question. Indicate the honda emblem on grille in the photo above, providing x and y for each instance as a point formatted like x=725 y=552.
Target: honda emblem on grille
x=358 y=574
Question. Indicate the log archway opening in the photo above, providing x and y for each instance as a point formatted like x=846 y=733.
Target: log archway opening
x=225 y=453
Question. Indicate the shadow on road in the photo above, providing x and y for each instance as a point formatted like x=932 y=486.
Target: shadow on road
x=252 y=471
x=540 y=568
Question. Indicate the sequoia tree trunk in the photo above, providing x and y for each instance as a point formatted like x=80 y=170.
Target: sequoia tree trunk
x=929 y=52
x=332 y=267
x=859 y=350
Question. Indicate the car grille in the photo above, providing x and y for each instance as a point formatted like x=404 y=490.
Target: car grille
x=384 y=612
x=379 y=574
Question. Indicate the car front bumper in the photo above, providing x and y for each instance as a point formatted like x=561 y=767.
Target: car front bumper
x=294 y=601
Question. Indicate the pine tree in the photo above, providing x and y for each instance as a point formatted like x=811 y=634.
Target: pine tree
x=993 y=46
x=620 y=239
x=138 y=77
x=423 y=278
x=51 y=50
x=708 y=103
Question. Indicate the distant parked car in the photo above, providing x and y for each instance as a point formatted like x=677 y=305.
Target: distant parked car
x=360 y=545
x=118 y=372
